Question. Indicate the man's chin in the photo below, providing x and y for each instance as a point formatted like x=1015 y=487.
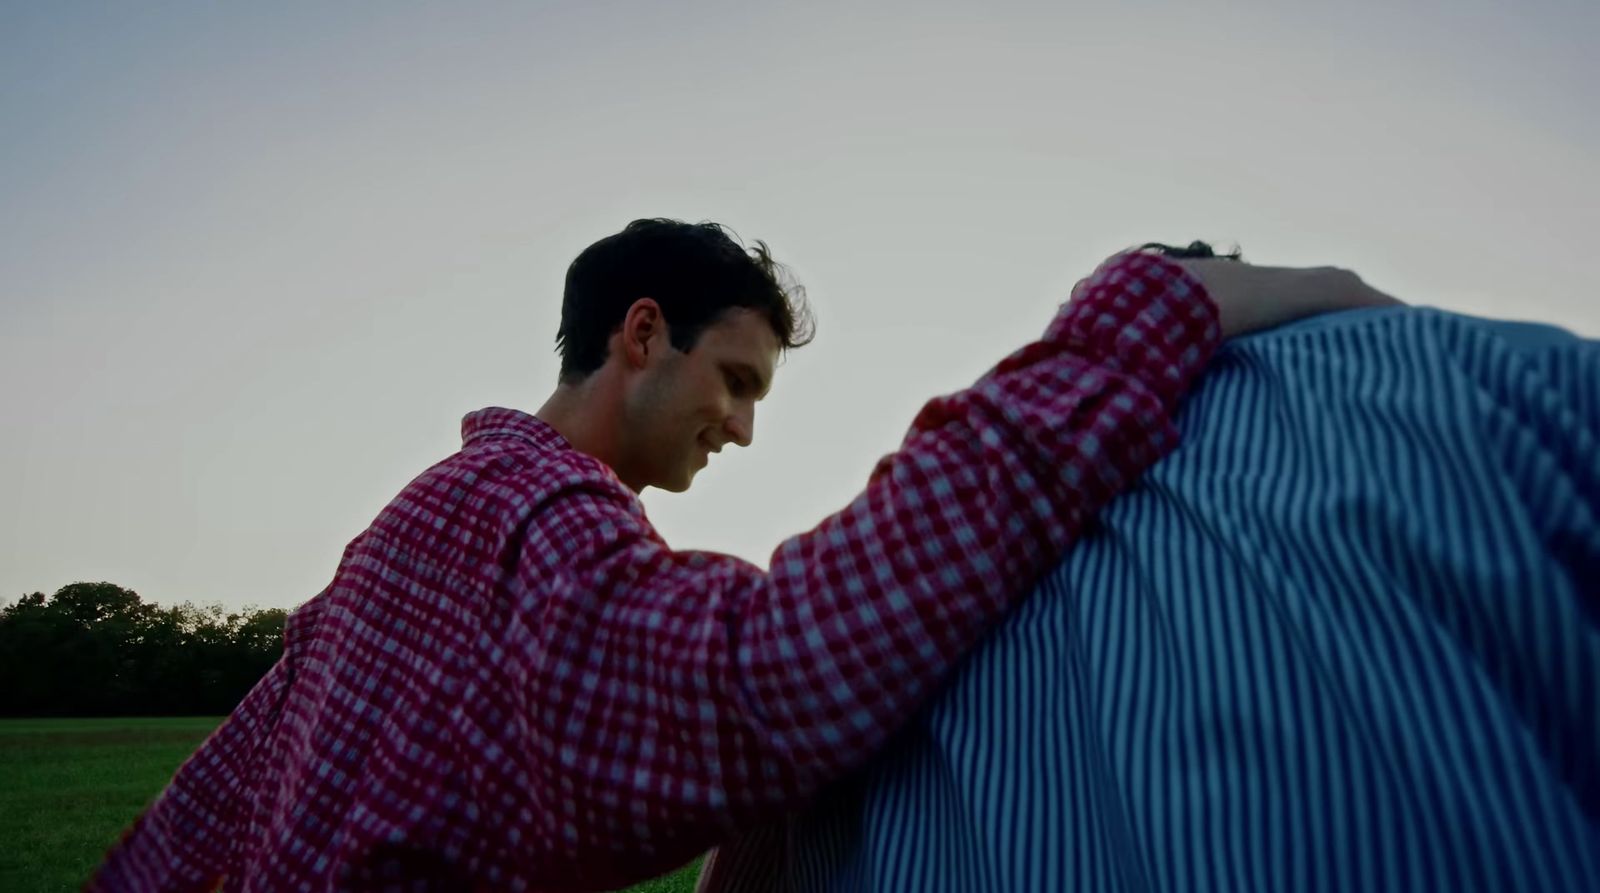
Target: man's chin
x=677 y=485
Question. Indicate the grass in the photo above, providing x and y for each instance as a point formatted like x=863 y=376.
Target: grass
x=69 y=786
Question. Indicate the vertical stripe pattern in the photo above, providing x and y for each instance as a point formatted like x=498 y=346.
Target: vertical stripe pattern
x=1346 y=637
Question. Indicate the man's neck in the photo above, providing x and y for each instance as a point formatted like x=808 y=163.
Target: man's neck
x=578 y=413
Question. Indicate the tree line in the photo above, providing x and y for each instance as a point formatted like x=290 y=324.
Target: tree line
x=97 y=649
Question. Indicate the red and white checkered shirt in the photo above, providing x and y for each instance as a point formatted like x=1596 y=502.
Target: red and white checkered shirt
x=513 y=683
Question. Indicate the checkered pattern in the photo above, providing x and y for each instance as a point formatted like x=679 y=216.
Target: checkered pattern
x=513 y=683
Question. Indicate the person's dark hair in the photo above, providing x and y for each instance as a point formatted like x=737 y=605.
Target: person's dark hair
x=695 y=271
x=1195 y=249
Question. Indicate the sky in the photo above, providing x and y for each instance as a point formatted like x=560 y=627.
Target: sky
x=258 y=260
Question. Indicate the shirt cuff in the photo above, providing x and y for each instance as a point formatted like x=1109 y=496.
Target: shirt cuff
x=1145 y=316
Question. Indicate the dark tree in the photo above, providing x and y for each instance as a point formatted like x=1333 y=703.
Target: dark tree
x=97 y=649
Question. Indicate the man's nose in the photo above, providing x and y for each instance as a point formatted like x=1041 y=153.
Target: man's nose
x=741 y=425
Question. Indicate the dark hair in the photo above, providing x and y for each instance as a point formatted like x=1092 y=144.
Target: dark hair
x=1192 y=250
x=695 y=271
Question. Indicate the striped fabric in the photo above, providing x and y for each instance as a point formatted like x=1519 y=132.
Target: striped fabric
x=1347 y=637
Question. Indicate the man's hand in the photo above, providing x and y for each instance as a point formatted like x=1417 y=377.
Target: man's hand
x=1252 y=298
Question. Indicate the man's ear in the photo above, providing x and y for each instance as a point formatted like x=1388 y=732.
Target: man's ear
x=642 y=329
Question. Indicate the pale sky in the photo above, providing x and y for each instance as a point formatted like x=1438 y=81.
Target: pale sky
x=258 y=260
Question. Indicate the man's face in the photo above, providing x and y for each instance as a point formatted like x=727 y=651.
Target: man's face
x=684 y=406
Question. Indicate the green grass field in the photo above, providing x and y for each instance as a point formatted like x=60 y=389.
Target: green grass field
x=68 y=786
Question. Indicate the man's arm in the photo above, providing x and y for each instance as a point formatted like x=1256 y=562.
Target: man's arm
x=675 y=695
x=181 y=842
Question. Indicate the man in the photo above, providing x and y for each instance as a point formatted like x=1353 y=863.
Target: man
x=1346 y=637
x=513 y=683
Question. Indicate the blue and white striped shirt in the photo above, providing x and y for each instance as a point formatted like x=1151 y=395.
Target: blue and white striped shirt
x=1347 y=637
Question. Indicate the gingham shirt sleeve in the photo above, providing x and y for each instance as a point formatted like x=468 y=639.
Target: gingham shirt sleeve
x=181 y=842
x=676 y=696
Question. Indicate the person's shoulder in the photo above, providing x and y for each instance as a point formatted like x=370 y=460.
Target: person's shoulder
x=1384 y=322
x=545 y=480
x=1428 y=348
x=492 y=493
x=567 y=466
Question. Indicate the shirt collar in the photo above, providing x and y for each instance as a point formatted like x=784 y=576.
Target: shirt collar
x=497 y=421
